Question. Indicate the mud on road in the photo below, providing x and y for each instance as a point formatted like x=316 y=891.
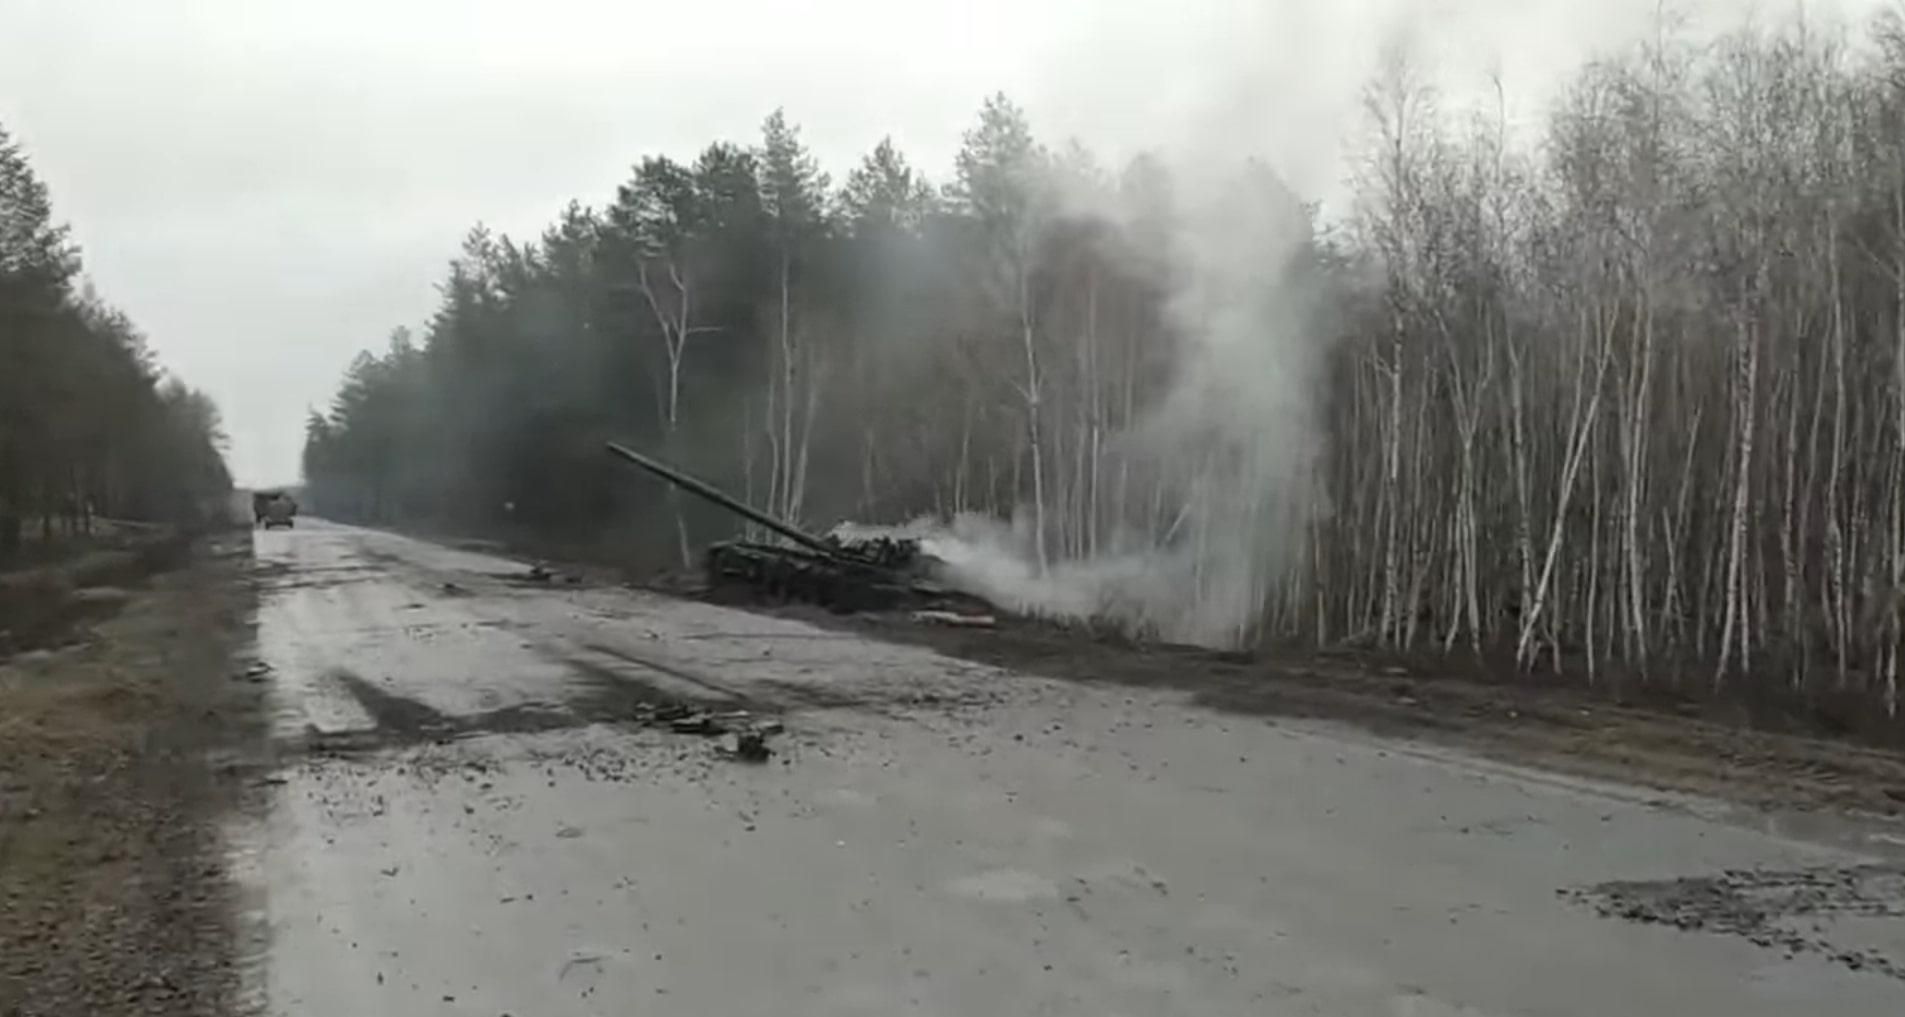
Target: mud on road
x=119 y=753
x=1535 y=723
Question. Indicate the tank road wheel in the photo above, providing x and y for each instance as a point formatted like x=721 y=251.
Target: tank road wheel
x=806 y=586
x=826 y=591
x=742 y=574
x=842 y=597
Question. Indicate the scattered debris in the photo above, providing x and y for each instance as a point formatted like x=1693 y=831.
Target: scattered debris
x=750 y=735
x=663 y=713
x=579 y=960
x=1779 y=910
x=954 y=618
x=751 y=747
x=699 y=723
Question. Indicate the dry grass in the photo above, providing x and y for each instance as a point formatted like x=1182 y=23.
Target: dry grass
x=82 y=709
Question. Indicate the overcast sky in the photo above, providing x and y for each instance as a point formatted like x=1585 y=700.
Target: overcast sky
x=268 y=186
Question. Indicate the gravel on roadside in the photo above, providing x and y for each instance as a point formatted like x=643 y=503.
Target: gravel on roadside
x=117 y=759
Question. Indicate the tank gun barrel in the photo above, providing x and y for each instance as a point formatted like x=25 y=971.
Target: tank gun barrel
x=713 y=494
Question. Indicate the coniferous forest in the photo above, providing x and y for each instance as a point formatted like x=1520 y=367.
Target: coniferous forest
x=90 y=426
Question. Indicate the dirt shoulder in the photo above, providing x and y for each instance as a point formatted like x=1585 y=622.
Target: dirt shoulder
x=1682 y=747
x=113 y=898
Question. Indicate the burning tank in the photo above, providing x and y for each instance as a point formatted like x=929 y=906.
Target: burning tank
x=838 y=571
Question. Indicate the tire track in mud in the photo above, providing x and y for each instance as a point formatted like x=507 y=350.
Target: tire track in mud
x=666 y=668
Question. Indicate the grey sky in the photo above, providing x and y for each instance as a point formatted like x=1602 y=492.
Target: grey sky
x=268 y=186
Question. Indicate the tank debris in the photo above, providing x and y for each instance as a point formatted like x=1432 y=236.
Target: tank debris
x=750 y=734
x=839 y=572
x=750 y=747
x=699 y=723
x=953 y=618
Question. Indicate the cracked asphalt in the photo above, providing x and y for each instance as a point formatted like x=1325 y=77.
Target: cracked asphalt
x=470 y=811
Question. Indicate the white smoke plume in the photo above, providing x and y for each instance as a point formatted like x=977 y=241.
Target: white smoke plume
x=1237 y=428
x=1230 y=444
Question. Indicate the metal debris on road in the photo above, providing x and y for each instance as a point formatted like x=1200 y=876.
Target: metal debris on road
x=954 y=618
x=751 y=747
x=699 y=723
x=750 y=735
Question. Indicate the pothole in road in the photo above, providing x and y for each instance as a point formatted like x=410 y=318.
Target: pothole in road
x=1783 y=910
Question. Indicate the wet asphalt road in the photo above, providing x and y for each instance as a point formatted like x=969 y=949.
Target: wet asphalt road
x=466 y=820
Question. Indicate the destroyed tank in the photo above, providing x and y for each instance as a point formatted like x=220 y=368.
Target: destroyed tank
x=870 y=574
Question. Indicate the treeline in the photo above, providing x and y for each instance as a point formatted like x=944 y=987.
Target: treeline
x=89 y=425
x=1627 y=399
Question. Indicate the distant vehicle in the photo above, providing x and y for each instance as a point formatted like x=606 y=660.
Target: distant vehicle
x=273 y=508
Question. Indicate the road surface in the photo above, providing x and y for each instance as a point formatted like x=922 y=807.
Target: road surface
x=467 y=818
